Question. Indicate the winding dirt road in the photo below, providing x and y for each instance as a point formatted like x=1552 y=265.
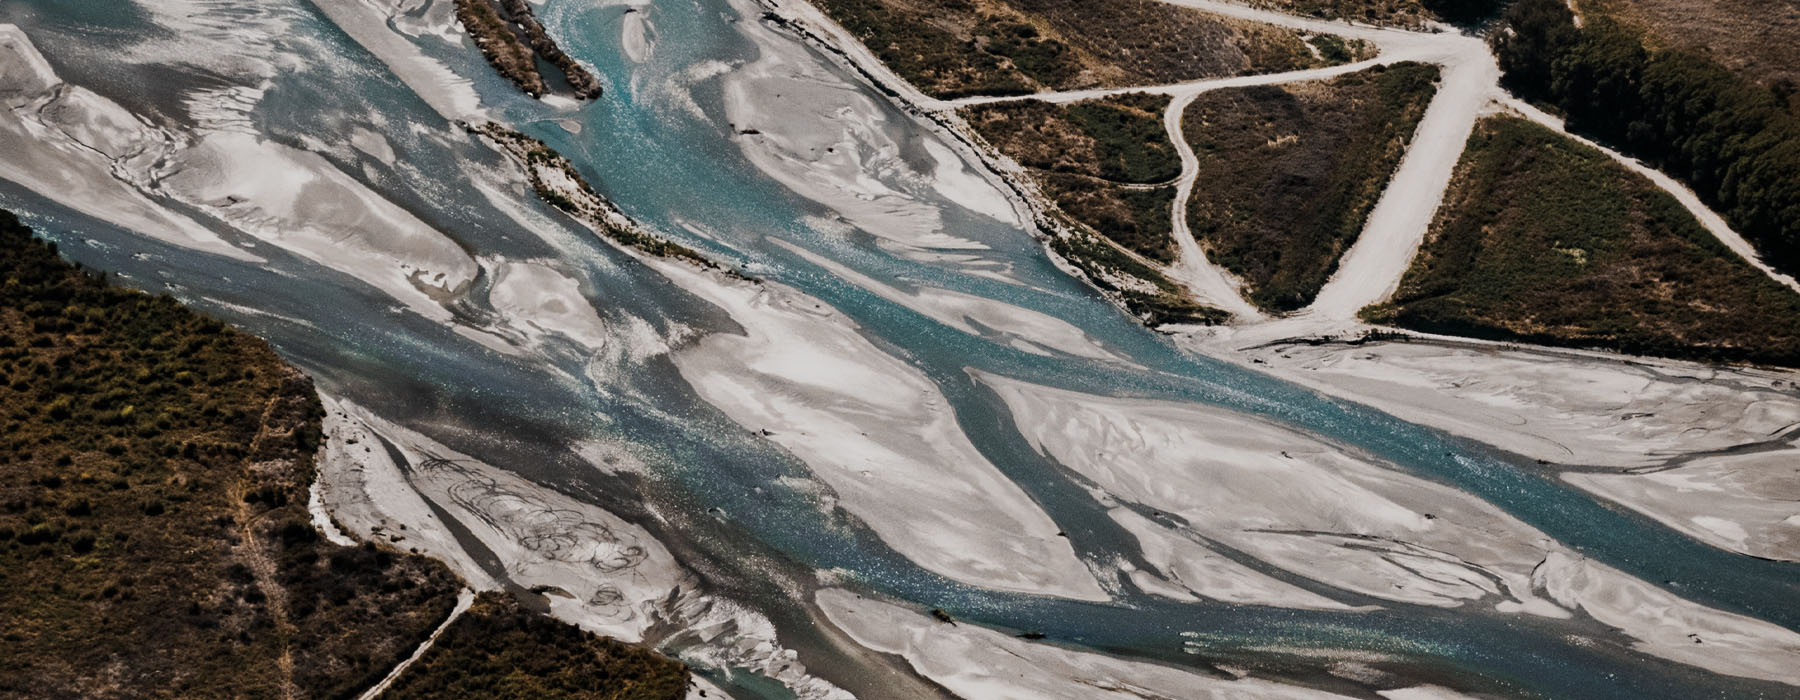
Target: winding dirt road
x=1371 y=270
x=1209 y=283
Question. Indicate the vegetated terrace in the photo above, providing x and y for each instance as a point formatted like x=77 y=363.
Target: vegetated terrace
x=956 y=48
x=1289 y=173
x=1107 y=163
x=1546 y=241
x=1732 y=141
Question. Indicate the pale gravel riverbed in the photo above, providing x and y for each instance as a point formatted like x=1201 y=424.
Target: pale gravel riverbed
x=686 y=457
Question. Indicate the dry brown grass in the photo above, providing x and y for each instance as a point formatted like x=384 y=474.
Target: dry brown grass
x=954 y=48
x=1757 y=39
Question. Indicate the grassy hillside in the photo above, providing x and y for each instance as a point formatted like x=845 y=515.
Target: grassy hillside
x=954 y=48
x=154 y=537
x=1546 y=241
x=498 y=651
x=1106 y=163
x=1289 y=173
x=1737 y=144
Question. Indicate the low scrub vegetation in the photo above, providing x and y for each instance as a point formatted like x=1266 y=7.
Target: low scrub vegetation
x=154 y=534
x=1289 y=173
x=511 y=38
x=501 y=45
x=581 y=82
x=1106 y=163
x=1117 y=138
x=956 y=48
x=1734 y=142
x=154 y=539
x=1546 y=241
x=498 y=650
x=1465 y=11
x=1136 y=218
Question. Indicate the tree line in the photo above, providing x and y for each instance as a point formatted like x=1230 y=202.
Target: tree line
x=1735 y=143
